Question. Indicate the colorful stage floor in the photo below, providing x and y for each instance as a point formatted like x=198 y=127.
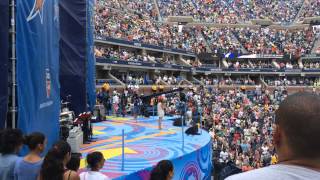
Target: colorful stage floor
x=145 y=145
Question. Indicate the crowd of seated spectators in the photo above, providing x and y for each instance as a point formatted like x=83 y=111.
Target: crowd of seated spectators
x=242 y=127
x=124 y=55
x=227 y=81
x=292 y=81
x=288 y=65
x=221 y=11
x=132 y=78
x=132 y=27
x=238 y=65
x=273 y=41
x=170 y=80
x=194 y=63
x=284 y=11
x=112 y=21
x=311 y=65
x=221 y=40
x=144 y=7
x=261 y=64
x=217 y=11
x=310 y=9
x=234 y=11
x=236 y=81
x=176 y=8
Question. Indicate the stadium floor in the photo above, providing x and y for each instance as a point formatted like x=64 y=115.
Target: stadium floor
x=145 y=145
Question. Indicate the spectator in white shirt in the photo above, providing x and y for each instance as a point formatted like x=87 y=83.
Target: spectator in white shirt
x=224 y=156
x=95 y=162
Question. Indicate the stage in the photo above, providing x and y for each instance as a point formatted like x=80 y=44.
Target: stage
x=145 y=145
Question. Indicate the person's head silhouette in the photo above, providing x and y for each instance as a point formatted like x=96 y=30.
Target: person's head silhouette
x=297 y=129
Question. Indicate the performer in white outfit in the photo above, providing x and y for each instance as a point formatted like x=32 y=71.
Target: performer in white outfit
x=160 y=109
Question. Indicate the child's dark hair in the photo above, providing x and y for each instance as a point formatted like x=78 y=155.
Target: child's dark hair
x=161 y=170
x=10 y=139
x=74 y=162
x=94 y=158
x=52 y=167
x=32 y=140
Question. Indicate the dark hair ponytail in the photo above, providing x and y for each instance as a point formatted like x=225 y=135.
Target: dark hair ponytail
x=161 y=170
x=10 y=139
x=52 y=167
x=32 y=140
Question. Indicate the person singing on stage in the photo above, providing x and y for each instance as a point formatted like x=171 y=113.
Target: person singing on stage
x=160 y=110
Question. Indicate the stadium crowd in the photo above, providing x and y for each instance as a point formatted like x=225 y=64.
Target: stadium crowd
x=272 y=41
x=239 y=121
x=226 y=81
x=110 y=21
x=221 y=40
x=310 y=9
x=242 y=125
x=233 y=11
x=277 y=11
x=124 y=55
x=290 y=81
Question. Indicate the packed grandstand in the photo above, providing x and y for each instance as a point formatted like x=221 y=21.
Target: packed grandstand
x=237 y=59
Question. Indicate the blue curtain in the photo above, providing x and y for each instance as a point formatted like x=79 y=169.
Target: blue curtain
x=73 y=53
x=38 y=67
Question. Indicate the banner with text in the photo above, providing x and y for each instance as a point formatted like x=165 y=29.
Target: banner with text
x=38 y=67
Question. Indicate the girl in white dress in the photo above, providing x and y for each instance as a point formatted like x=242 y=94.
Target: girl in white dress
x=160 y=109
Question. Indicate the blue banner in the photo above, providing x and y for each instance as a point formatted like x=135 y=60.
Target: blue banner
x=73 y=65
x=4 y=49
x=91 y=86
x=38 y=67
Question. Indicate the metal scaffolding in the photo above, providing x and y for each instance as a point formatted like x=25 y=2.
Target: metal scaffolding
x=13 y=108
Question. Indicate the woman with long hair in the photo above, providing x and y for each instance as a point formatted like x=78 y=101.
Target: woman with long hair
x=162 y=171
x=54 y=163
x=28 y=167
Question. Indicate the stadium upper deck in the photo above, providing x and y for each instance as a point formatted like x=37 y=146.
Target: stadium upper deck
x=142 y=21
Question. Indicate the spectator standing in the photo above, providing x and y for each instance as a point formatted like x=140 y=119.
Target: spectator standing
x=136 y=105
x=11 y=141
x=162 y=171
x=95 y=162
x=74 y=163
x=105 y=98
x=28 y=167
x=115 y=102
x=54 y=163
x=160 y=110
